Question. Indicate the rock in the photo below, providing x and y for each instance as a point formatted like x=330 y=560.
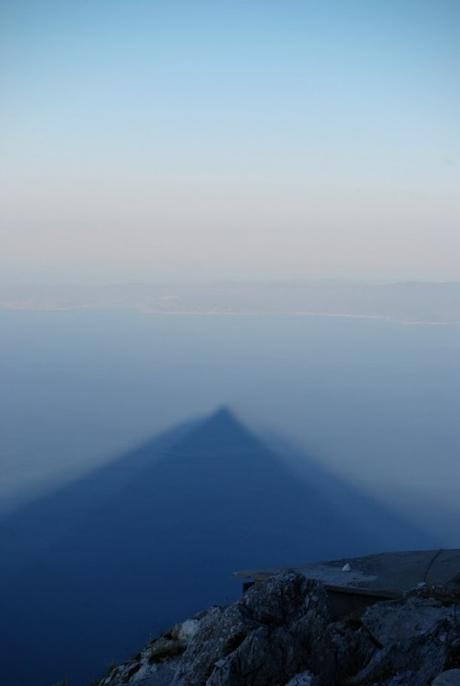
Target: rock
x=412 y=637
x=269 y=635
x=349 y=649
x=188 y=629
x=449 y=678
x=390 y=622
x=165 y=648
x=453 y=658
x=280 y=632
x=304 y=679
x=157 y=664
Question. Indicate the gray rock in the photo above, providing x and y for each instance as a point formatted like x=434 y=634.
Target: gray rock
x=304 y=679
x=413 y=639
x=348 y=648
x=392 y=622
x=280 y=632
x=449 y=678
x=269 y=635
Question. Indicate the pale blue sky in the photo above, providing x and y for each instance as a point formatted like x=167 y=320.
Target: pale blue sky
x=266 y=139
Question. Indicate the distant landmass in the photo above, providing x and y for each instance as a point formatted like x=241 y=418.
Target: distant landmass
x=408 y=302
x=95 y=567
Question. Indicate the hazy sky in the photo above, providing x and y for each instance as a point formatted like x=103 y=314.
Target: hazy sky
x=204 y=138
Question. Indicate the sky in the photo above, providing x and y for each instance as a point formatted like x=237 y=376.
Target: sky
x=144 y=139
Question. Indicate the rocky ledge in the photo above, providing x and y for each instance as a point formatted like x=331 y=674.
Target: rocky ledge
x=280 y=633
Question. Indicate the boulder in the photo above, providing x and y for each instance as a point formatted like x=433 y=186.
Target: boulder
x=280 y=632
x=449 y=678
x=304 y=679
x=412 y=639
x=271 y=634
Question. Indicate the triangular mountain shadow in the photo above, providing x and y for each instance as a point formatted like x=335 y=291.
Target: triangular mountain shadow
x=154 y=537
x=38 y=524
x=380 y=528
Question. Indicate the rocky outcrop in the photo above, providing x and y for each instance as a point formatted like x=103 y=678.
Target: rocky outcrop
x=280 y=633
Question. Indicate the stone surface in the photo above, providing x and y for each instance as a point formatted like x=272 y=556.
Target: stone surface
x=449 y=678
x=304 y=679
x=265 y=638
x=392 y=622
x=412 y=637
x=280 y=633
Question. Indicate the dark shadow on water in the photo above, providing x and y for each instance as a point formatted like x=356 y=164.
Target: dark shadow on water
x=92 y=569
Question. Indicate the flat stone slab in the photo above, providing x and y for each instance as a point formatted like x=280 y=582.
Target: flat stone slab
x=390 y=574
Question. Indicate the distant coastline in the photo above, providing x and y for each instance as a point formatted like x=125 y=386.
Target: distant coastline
x=407 y=303
x=6 y=307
